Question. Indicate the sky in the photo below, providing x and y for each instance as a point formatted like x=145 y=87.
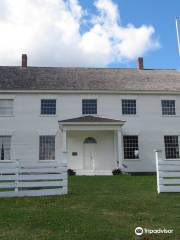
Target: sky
x=89 y=33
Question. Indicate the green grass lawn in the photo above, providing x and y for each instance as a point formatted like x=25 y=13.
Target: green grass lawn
x=96 y=208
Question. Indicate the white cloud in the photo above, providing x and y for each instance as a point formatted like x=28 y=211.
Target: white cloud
x=50 y=32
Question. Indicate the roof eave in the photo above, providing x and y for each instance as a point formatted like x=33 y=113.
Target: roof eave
x=120 y=123
x=145 y=92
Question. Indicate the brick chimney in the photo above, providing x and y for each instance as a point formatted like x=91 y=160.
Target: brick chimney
x=24 y=60
x=140 y=63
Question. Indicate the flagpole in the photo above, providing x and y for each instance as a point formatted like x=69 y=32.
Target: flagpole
x=177 y=30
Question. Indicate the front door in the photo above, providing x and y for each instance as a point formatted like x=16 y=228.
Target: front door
x=89 y=153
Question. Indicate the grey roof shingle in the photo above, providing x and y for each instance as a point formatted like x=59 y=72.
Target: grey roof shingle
x=90 y=118
x=55 y=78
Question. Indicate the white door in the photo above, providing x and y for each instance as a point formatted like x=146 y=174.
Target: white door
x=89 y=156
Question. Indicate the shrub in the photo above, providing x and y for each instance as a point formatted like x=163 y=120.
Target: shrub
x=71 y=172
x=116 y=171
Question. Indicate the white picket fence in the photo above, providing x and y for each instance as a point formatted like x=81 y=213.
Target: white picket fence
x=19 y=179
x=168 y=174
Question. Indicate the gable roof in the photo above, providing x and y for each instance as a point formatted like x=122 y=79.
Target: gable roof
x=90 y=119
x=88 y=79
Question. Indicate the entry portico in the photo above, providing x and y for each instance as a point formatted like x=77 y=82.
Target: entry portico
x=93 y=144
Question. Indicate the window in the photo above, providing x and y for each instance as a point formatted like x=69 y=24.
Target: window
x=128 y=106
x=131 y=147
x=90 y=140
x=6 y=107
x=48 y=106
x=168 y=107
x=171 y=147
x=5 y=147
x=47 y=148
x=89 y=106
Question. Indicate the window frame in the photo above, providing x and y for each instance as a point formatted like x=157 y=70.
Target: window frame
x=171 y=147
x=135 y=158
x=9 y=148
x=48 y=114
x=90 y=140
x=46 y=158
x=90 y=113
x=164 y=112
x=12 y=110
x=124 y=110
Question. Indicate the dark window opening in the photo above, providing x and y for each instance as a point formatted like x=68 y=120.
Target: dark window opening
x=128 y=106
x=131 y=147
x=89 y=106
x=48 y=107
x=171 y=147
x=168 y=107
x=5 y=147
x=90 y=140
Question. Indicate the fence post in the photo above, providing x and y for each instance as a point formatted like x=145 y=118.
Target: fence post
x=157 y=152
x=65 y=162
x=17 y=176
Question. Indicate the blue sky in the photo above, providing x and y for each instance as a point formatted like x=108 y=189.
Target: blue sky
x=89 y=33
x=159 y=13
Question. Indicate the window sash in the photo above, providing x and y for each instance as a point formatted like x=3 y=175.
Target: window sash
x=6 y=107
x=5 y=144
x=168 y=107
x=130 y=146
x=47 y=147
x=171 y=147
x=48 y=106
x=129 y=106
x=89 y=106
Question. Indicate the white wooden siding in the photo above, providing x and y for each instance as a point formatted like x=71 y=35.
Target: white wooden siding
x=27 y=124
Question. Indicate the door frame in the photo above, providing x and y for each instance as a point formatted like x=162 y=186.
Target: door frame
x=89 y=141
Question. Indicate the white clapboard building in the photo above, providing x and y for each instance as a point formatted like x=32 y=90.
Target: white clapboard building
x=102 y=117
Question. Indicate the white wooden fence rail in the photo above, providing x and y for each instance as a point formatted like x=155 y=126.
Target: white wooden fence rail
x=168 y=174
x=19 y=179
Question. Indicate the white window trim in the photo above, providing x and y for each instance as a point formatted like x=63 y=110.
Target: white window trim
x=13 y=104
x=6 y=132
x=90 y=96
x=49 y=98
x=130 y=115
x=94 y=114
x=169 y=98
x=48 y=132
x=133 y=159
x=164 y=150
x=46 y=160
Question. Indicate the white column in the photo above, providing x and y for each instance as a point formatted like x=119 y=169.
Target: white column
x=64 y=141
x=115 y=149
x=119 y=147
x=64 y=147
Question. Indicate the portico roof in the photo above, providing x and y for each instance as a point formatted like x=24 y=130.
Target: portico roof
x=89 y=119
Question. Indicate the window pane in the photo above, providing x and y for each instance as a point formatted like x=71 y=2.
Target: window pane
x=168 y=107
x=130 y=147
x=90 y=140
x=47 y=148
x=5 y=147
x=48 y=106
x=128 y=106
x=89 y=106
x=6 y=107
x=171 y=147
